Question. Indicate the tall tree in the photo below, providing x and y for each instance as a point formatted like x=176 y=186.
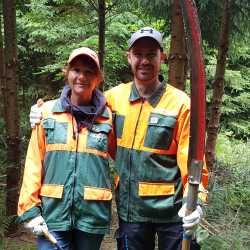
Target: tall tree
x=101 y=44
x=2 y=70
x=101 y=40
x=100 y=8
x=177 y=55
x=218 y=85
x=12 y=116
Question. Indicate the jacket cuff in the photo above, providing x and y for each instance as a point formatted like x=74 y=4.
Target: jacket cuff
x=31 y=213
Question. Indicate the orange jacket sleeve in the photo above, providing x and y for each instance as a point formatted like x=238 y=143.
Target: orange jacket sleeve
x=29 y=200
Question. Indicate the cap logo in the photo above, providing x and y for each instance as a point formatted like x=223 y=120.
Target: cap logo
x=143 y=30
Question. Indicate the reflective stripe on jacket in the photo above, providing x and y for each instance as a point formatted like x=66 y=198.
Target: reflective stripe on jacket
x=152 y=150
x=67 y=180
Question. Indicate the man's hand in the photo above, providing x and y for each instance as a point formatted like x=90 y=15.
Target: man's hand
x=36 y=225
x=36 y=113
x=191 y=221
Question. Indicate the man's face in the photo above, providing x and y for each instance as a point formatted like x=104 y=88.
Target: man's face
x=145 y=59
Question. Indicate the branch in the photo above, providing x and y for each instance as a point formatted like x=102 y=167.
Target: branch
x=92 y=22
x=236 y=215
x=110 y=7
x=3 y=141
x=91 y=3
x=210 y=228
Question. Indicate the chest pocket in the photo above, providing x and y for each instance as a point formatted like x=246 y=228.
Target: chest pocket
x=98 y=136
x=160 y=131
x=55 y=132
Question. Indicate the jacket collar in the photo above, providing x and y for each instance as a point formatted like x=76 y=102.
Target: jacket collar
x=58 y=108
x=153 y=99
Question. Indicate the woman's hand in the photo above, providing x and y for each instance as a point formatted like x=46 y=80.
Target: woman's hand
x=37 y=225
x=36 y=113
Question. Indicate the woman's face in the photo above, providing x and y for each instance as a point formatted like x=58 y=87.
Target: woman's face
x=83 y=78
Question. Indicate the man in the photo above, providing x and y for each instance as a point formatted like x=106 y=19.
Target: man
x=152 y=128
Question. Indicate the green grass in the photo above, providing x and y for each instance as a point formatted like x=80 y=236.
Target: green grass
x=14 y=245
x=229 y=200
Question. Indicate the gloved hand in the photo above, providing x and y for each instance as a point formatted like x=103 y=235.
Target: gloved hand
x=35 y=115
x=191 y=221
x=36 y=225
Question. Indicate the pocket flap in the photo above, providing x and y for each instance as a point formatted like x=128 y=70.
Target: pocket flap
x=156 y=189
x=94 y=193
x=49 y=123
x=101 y=127
x=52 y=191
x=162 y=121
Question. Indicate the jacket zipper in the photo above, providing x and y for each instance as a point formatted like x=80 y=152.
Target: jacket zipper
x=74 y=180
x=130 y=161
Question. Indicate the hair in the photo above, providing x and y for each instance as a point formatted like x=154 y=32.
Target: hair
x=85 y=60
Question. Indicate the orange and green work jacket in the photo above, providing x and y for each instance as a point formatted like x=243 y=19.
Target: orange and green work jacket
x=66 y=179
x=152 y=151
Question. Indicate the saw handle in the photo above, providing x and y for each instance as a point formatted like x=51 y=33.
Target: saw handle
x=50 y=237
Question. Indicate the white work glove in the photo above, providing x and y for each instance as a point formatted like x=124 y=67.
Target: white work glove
x=35 y=115
x=191 y=221
x=36 y=225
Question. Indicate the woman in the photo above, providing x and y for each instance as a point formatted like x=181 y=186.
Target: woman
x=66 y=185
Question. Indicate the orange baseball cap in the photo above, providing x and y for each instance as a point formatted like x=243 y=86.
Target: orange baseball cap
x=84 y=51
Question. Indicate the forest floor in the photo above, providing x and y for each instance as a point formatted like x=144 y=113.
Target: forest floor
x=26 y=241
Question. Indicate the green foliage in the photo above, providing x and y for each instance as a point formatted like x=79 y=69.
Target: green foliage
x=229 y=199
x=117 y=34
x=157 y=8
x=201 y=234
x=209 y=12
x=235 y=108
x=10 y=244
x=49 y=30
x=239 y=53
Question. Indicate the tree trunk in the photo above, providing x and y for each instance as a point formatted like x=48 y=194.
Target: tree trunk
x=2 y=73
x=12 y=116
x=177 y=55
x=218 y=85
x=101 y=46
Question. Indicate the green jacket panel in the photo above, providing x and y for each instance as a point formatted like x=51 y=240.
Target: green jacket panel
x=72 y=185
x=152 y=152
